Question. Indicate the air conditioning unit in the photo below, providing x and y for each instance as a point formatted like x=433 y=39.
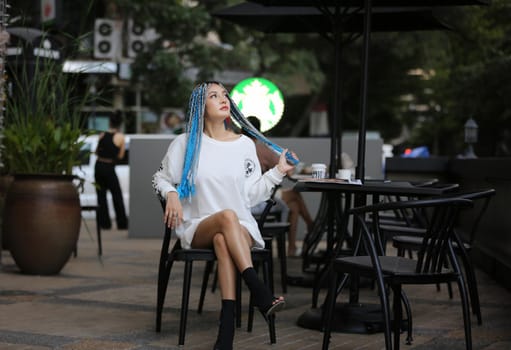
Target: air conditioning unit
x=139 y=36
x=107 y=38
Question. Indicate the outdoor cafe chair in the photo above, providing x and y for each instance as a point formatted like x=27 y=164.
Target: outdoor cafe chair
x=404 y=242
x=177 y=254
x=409 y=218
x=273 y=228
x=436 y=263
x=408 y=221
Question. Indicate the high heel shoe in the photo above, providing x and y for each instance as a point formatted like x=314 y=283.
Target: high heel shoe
x=276 y=306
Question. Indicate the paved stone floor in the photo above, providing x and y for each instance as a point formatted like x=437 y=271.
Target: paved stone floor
x=109 y=303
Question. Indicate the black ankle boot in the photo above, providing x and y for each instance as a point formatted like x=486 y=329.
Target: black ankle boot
x=225 y=336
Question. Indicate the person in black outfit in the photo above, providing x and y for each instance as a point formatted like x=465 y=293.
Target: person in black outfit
x=111 y=148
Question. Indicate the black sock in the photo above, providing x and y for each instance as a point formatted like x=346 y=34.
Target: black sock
x=225 y=336
x=261 y=294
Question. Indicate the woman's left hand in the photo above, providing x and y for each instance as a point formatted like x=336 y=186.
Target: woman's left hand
x=283 y=166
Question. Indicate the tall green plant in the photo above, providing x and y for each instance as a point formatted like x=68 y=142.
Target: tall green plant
x=4 y=39
x=43 y=120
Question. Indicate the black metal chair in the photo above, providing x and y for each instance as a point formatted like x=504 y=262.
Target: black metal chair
x=189 y=256
x=436 y=263
x=462 y=247
x=277 y=231
x=167 y=259
x=272 y=228
x=95 y=209
x=409 y=221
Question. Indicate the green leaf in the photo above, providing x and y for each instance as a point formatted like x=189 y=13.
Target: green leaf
x=43 y=124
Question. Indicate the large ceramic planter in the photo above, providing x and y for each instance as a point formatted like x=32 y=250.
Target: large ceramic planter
x=5 y=183
x=42 y=222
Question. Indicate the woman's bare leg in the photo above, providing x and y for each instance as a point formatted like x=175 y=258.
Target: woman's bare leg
x=293 y=227
x=304 y=212
x=226 y=268
x=237 y=238
x=232 y=244
x=223 y=232
x=292 y=196
x=297 y=208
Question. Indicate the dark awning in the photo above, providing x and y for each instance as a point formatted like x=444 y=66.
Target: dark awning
x=307 y=19
x=375 y=3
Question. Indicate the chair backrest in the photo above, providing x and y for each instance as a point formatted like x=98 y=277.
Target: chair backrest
x=270 y=202
x=407 y=216
x=437 y=242
x=481 y=201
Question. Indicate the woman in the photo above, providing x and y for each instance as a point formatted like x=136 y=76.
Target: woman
x=210 y=178
x=111 y=148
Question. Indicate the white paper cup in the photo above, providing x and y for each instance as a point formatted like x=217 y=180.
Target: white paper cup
x=344 y=174
x=318 y=170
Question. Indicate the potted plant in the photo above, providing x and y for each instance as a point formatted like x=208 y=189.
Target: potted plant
x=42 y=140
x=4 y=178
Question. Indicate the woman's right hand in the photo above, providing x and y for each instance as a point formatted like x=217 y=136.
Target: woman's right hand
x=283 y=166
x=173 y=215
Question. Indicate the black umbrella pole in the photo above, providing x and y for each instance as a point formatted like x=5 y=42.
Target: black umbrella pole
x=336 y=132
x=360 y=169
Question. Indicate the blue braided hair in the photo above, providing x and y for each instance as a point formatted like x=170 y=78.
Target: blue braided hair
x=195 y=128
x=254 y=132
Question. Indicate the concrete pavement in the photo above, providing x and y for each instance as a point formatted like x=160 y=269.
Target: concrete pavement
x=109 y=303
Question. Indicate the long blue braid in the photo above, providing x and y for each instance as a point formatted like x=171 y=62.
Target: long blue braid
x=252 y=130
x=195 y=128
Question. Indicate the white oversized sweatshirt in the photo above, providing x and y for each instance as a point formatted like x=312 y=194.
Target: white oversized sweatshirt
x=228 y=177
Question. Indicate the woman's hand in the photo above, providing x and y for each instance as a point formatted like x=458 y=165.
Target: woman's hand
x=283 y=166
x=173 y=215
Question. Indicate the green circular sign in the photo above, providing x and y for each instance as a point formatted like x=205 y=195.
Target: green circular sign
x=261 y=98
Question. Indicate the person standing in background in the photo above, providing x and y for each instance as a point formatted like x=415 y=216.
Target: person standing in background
x=111 y=148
